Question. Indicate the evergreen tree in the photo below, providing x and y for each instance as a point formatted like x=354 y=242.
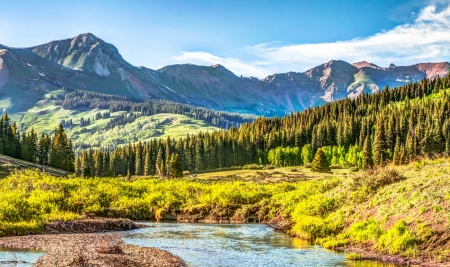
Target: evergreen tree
x=379 y=143
x=176 y=168
x=367 y=161
x=43 y=149
x=61 y=154
x=320 y=162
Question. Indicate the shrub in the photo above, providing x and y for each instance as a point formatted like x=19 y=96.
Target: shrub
x=269 y=167
x=354 y=257
x=399 y=240
x=336 y=166
x=377 y=179
x=253 y=167
x=366 y=231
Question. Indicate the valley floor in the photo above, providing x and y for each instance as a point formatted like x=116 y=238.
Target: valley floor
x=401 y=212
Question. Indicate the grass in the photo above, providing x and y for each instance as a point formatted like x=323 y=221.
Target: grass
x=44 y=116
x=142 y=129
x=264 y=175
x=390 y=210
x=9 y=165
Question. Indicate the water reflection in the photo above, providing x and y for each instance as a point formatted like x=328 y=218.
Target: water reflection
x=237 y=245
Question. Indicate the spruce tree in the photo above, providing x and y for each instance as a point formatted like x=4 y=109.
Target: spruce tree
x=176 y=168
x=320 y=162
x=61 y=154
x=367 y=161
x=379 y=143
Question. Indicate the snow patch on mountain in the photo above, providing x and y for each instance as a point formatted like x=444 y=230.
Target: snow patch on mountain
x=100 y=69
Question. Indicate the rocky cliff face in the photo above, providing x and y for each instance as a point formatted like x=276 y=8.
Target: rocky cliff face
x=87 y=62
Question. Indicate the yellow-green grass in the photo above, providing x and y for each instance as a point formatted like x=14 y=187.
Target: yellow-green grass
x=261 y=174
x=399 y=210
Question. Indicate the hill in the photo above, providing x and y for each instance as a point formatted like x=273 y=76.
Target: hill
x=9 y=165
x=87 y=62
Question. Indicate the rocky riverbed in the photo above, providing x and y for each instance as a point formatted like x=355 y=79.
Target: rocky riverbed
x=80 y=243
x=106 y=250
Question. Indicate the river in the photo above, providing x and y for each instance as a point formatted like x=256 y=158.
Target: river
x=231 y=245
x=224 y=245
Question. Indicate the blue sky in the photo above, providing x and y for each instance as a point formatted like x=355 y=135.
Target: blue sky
x=252 y=38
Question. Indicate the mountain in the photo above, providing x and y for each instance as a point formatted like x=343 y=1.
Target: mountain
x=89 y=63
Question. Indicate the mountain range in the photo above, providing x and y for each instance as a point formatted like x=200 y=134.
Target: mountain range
x=89 y=63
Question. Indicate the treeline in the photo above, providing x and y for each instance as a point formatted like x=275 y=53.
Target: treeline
x=55 y=152
x=136 y=108
x=397 y=125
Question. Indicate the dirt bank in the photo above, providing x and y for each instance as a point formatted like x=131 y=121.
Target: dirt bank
x=106 y=250
x=366 y=252
x=91 y=226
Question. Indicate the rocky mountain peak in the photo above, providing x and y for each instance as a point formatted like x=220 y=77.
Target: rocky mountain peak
x=365 y=64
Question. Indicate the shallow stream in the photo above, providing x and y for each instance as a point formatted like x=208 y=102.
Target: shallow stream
x=237 y=245
x=225 y=245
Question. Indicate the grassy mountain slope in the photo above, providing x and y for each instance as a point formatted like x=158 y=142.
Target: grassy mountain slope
x=45 y=117
x=86 y=62
x=142 y=129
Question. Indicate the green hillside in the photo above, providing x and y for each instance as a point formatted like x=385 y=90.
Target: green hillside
x=45 y=117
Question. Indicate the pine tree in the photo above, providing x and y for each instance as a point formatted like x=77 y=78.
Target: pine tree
x=320 y=162
x=367 y=161
x=139 y=159
x=379 y=143
x=61 y=154
x=176 y=169
x=43 y=149
x=397 y=156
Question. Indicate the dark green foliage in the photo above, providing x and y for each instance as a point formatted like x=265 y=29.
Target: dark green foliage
x=361 y=132
x=176 y=168
x=62 y=155
x=397 y=125
x=367 y=162
x=320 y=162
x=57 y=152
x=138 y=108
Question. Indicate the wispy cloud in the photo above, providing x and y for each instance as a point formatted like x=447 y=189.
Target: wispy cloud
x=425 y=39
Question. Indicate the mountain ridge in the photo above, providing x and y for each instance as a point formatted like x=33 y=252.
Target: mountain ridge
x=87 y=62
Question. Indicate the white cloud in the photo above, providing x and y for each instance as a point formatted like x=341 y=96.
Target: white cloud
x=239 y=67
x=426 y=39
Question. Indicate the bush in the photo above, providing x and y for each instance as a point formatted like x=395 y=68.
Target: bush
x=354 y=169
x=336 y=166
x=253 y=167
x=377 y=179
x=365 y=231
x=354 y=257
x=399 y=240
x=269 y=167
